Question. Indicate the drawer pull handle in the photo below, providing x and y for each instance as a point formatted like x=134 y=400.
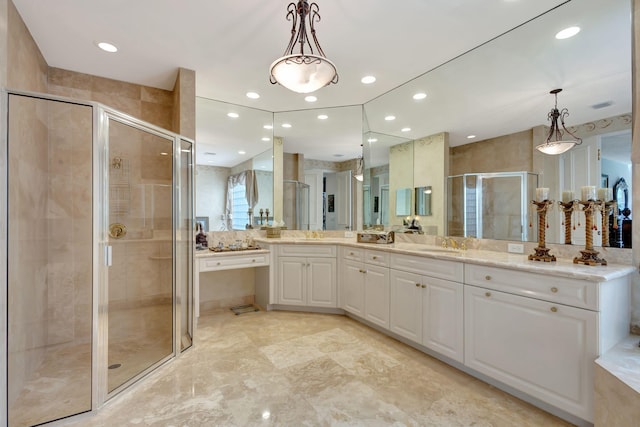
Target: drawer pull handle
x=375 y=257
x=351 y=253
x=554 y=309
x=487 y=294
x=417 y=285
x=554 y=289
x=487 y=277
x=424 y=286
x=253 y=260
x=218 y=263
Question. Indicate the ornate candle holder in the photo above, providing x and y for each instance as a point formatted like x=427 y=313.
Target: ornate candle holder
x=567 y=208
x=261 y=215
x=589 y=255
x=542 y=252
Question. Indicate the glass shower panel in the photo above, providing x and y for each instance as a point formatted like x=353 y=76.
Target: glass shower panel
x=140 y=233
x=185 y=245
x=50 y=264
x=501 y=207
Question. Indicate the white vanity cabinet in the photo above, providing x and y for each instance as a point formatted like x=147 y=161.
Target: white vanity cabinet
x=425 y=309
x=306 y=275
x=540 y=334
x=364 y=282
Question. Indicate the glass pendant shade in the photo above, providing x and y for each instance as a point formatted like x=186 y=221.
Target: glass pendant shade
x=557 y=147
x=303 y=73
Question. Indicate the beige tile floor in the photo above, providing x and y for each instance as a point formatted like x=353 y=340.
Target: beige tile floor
x=303 y=369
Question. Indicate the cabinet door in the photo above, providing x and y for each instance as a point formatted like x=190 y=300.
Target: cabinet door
x=543 y=349
x=442 y=317
x=352 y=286
x=291 y=280
x=406 y=304
x=321 y=282
x=376 y=295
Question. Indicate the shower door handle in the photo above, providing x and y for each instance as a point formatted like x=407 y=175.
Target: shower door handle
x=108 y=255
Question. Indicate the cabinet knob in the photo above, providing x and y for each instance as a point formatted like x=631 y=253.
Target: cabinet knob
x=487 y=277
x=375 y=257
x=424 y=286
x=554 y=309
x=417 y=285
x=218 y=263
x=487 y=294
x=253 y=260
x=554 y=289
x=351 y=253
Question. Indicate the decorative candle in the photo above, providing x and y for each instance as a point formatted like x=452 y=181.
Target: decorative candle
x=567 y=196
x=542 y=194
x=605 y=194
x=588 y=193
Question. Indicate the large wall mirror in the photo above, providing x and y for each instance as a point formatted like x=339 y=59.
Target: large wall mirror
x=321 y=151
x=234 y=166
x=498 y=95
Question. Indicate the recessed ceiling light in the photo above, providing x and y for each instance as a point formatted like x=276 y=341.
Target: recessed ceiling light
x=405 y=129
x=419 y=95
x=368 y=80
x=323 y=117
x=390 y=118
x=107 y=47
x=286 y=125
x=233 y=115
x=268 y=126
x=265 y=139
x=372 y=140
x=567 y=32
x=242 y=152
x=253 y=95
x=471 y=136
x=310 y=98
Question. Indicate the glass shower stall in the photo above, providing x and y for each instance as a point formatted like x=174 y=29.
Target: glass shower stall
x=492 y=205
x=99 y=253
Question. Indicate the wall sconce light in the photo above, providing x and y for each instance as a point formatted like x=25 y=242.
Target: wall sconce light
x=555 y=142
x=303 y=72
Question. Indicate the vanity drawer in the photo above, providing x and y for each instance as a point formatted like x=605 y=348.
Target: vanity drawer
x=377 y=258
x=307 y=250
x=573 y=292
x=440 y=269
x=228 y=262
x=352 y=254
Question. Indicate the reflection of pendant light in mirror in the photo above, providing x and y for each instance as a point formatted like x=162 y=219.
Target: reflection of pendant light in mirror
x=359 y=175
x=303 y=72
x=556 y=142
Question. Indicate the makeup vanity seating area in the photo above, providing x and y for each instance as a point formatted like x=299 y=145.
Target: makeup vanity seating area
x=533 y=329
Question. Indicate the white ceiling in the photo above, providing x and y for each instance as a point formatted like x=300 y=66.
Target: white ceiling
x=230 y=44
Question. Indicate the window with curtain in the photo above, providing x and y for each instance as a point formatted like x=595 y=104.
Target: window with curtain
x=242 y=194
x=239 y=207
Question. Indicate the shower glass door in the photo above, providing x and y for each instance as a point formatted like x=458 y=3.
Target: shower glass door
x=140 y=237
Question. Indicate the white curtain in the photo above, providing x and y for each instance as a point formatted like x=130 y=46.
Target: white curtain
x=248 y=179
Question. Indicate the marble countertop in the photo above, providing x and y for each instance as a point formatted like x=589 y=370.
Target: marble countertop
x=206 y=253
x=520 y=262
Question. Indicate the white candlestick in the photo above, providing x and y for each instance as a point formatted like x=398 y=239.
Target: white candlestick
x=567 y=196
x=588 y=193
x=542 y=194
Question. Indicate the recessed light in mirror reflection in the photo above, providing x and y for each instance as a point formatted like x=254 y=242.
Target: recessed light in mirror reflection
x=471 y=136
x=419 y=95
x=368 y=80
x=323 y=117
x=390 y=118
x=567 y=32
x=107 y=47
x=265 y=139
x=242 y=152
x=267 y=127
x=372 y=140
x=310 y=98
x=253 y=95
x=233 y=115
x=286 y=125
x=405 y=130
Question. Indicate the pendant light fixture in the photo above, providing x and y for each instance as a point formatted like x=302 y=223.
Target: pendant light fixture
x=307 y=70
x=557 y=142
